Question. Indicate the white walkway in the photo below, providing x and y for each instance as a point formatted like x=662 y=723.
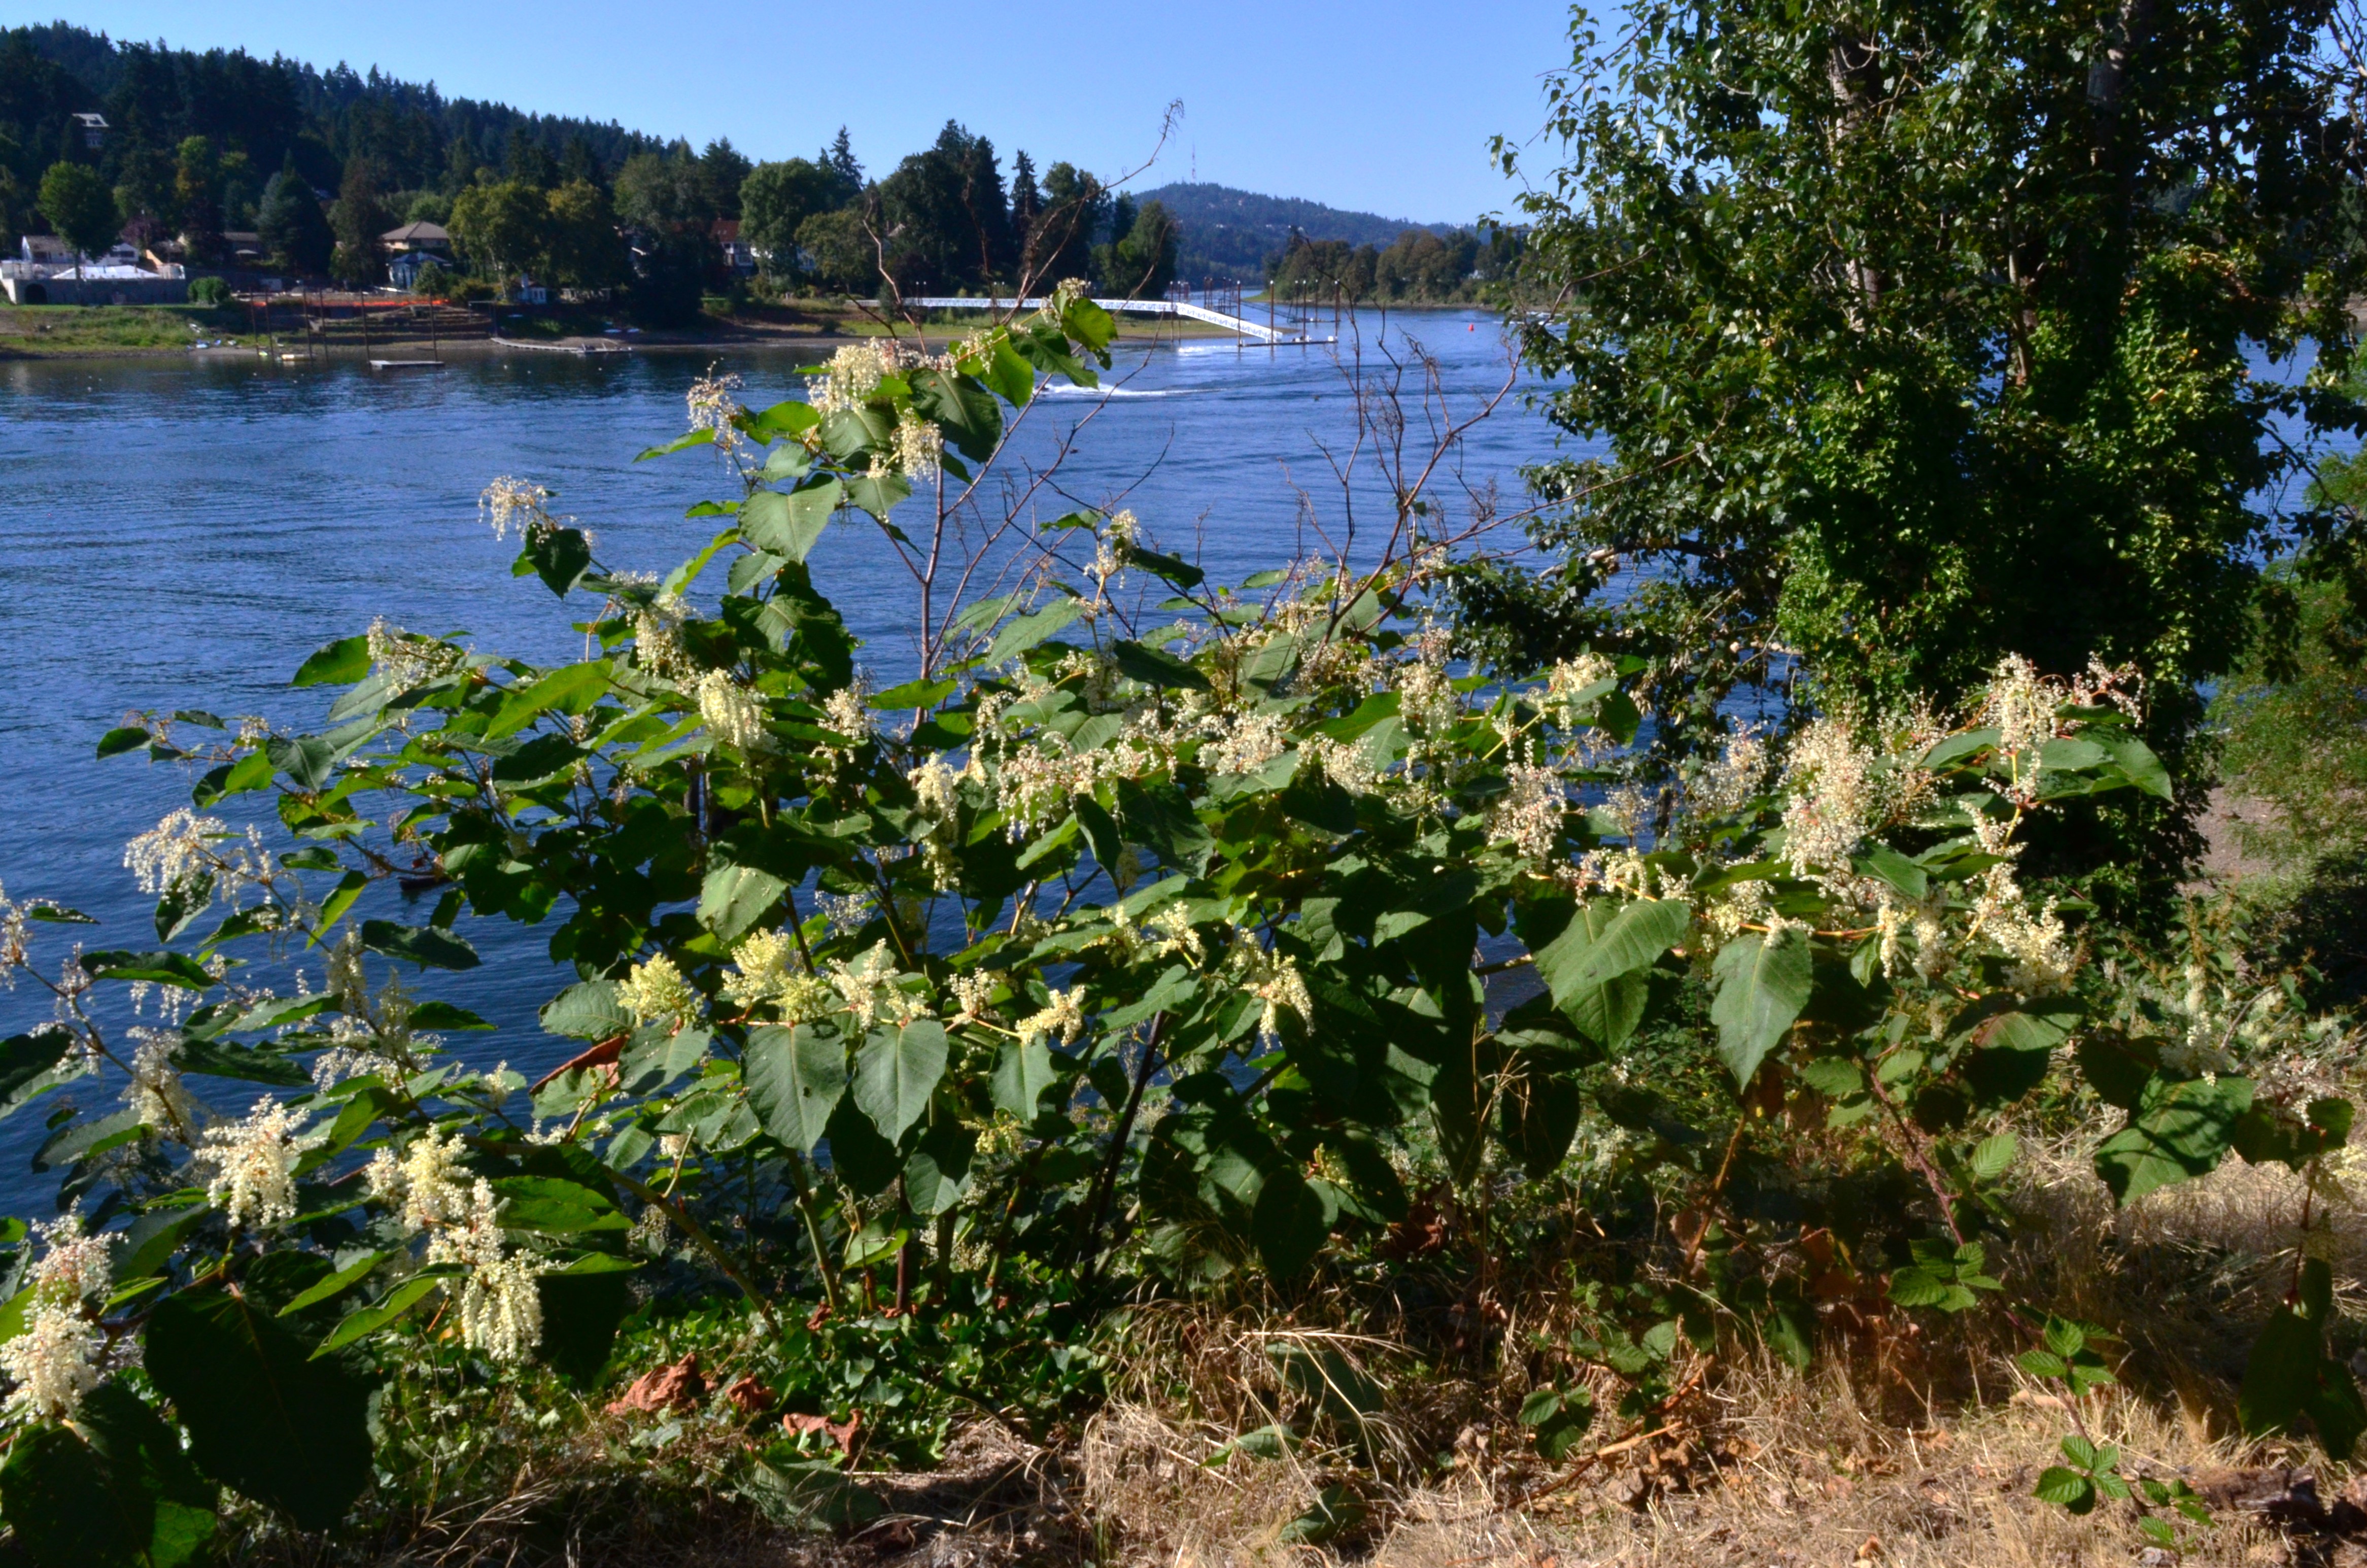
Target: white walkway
x=1136 y=307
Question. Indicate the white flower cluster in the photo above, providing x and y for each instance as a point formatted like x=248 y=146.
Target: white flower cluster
x=656 y=993
x=500 y=1309
x=714 y=403
x=855 y=374
x=1831 y=782
x=508 y=503
x=848 y=711
x=1250 y=742
x=1061 y=1022
x=938 y=788
x=56 y=1360
x=919 y=448
x=407 y=660
x=251 y=1164
x=155 y=1093
x=1273 y=979
x=175 y=850
x=845 y=914
x=734 y=714
x=1530 y=811
x=871 y=988
x=657 y=636
x=1737 y=776
x=763 y=974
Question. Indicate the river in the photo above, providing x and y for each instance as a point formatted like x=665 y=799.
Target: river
x=181 y=534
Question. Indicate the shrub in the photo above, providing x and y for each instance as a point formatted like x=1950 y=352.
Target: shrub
x=1098 y=957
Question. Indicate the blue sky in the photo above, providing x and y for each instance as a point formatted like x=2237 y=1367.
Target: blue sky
x=1385 y=106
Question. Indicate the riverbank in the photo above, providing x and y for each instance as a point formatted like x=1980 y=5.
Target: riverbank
x=74 y=332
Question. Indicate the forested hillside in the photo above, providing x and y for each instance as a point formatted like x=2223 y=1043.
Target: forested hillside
x=1231 y=233
x=258 y=114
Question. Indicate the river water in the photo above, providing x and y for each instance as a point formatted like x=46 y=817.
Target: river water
x=182 y=534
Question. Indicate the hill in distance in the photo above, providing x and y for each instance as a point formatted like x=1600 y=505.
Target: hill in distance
x=1230 y=233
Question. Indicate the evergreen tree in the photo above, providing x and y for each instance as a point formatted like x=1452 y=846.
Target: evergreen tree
x=724 y=169
x=1060 y=243
x=1025 y=202
x=840 y=158
x=293 y=225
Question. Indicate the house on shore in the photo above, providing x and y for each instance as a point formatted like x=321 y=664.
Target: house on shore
x=49 y=272
x=411 y=247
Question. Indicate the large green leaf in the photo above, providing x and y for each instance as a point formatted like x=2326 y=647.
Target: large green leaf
x=34 y=1063
x=2290 y=1377
x=558 y=556
x=262 y=1417
x=1018 y=636
x=1023 y=1071
x=1762 y=986
x=795 y=1078
x=734 y=898
x=1592 y=968
x=936 y=1173
x=114 y=1489
x=788 y=526
x=581 y=1306
x=896 y=1071
x=2182 y=1129
x=1288 y=1224
x=588 y=1010
x=341 y=663
x=1157 y=667
x=423 y=945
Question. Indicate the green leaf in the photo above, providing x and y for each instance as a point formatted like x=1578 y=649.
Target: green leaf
x=332 y=908
x=309 y=761
x=1023 y=1073
x=2066 y=1487
x=1993 y=1156
x=336 y=1284
x=733 y=899
x=160 y=968
x=445 y=1015
x=116 y=742
x=341 y=663
x=879 y=495
x=863 y=1160
x=250 y=1064
x=2180 y=1130
x=581 y=1309
x=363 y=1322
x=423 y=945
x=1587 y=966
x=896 y=1071
x=558 y=556
x=588 y=1010
x=1157 y=667
x=795 y=1078
x=1288 y=1225
x=574 y=688
x=790 y=525
x=700 y=437
x=34 y=1063
x=938 y=1173
x=2137 y=761
x=69 y=1508
x=1025 y=632
x=1886 y=864
x=262 y=1417
x=1762 y=986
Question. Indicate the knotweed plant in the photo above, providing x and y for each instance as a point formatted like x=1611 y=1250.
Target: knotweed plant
x=1104 y=956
